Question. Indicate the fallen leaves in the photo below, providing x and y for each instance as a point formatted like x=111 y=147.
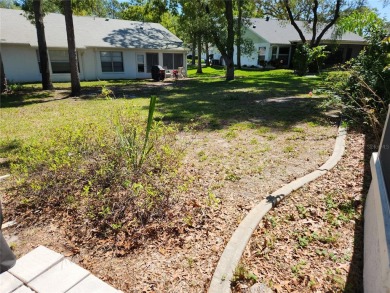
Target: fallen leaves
x=179 y=252
x=309 y=240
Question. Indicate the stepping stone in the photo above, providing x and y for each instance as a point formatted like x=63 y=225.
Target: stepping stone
x=8 y=282
x=45 y=271
x=35 y=263
x=23 y=289
x=92 y=284
x=59 y=278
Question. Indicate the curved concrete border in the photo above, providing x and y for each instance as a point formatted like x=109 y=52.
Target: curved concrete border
x=231 y=256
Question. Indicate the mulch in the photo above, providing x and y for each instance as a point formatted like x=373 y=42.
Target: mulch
x=313 y=241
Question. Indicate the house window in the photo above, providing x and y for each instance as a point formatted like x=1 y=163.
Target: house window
x=59 y=60
x=151 y=59
x=178 y=60
x=141 y=63
x=111 y=61
x=284 y=52
x=168 y=61
x=172 y=61
x=262 y=51
x=274 y=53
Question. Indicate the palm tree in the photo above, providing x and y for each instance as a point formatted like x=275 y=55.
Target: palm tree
x=74 y=71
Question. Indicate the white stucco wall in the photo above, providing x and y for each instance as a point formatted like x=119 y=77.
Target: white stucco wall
x=21 y=64
x=253 y=57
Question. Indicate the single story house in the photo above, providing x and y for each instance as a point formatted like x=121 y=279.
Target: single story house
x=275 y=40
x=106 y=48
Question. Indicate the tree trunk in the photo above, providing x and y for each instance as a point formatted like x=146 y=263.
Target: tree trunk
x=42 y=47
x=226 y=47
x=207 y=54
x=3 y=80
x=229 y=67
x=239 y=20
x=199 y=53
x=193 y=50
x=230 y=40
x=74 y=71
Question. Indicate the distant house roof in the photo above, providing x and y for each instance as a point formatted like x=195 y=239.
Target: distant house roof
x=89 y=32
x=282 y=32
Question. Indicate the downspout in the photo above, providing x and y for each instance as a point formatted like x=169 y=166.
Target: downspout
x=83 y=64
x=95 y=63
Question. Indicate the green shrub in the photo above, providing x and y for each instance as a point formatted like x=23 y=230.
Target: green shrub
x=301 y=59
x=363 y=89
x=305 y=57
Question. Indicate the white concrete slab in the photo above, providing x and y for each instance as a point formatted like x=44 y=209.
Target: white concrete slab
x=23 y=289
x=9 y=283
x=35 y=263
x=60 y=278
x=92 y=284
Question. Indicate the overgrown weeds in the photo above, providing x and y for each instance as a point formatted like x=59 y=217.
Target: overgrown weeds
x=362 y=89
x=111 y=184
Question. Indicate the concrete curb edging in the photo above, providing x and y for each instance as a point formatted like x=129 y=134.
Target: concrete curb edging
x=220 y=283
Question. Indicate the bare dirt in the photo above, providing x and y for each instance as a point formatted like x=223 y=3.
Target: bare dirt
x=227 y=172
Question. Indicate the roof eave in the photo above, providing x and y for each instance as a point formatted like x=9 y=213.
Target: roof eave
x=343 y=42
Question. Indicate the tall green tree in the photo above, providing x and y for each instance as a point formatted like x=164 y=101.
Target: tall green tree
x=100 y=8
x=195 y=26
x=317 y=32
x=200 y=23
x=35 y=11
x=239 y=31
x=245 y=10
x=145 y=10
x=42 y=46
x=360 y=21
x=319 y=15
x=74 y=71
x=221 y=13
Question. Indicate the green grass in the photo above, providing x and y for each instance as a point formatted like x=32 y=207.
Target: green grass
x=200 y=102
x=75 y=154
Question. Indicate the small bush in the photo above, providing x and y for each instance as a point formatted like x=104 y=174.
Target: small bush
x=362 y=90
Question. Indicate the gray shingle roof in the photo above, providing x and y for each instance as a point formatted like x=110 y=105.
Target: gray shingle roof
x=89 y=32
x=282 y=32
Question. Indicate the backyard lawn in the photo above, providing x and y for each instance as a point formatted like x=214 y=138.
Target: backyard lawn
x=154 y=214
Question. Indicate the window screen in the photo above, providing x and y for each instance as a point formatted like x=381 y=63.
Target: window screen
x=111 y=61
x=59 y=60
x=151 y=59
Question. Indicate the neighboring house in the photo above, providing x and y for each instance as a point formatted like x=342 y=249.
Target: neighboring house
x=275 y=40
x=106 y=48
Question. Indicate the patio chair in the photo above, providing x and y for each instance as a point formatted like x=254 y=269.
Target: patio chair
x=168 y=73
x=181 y=71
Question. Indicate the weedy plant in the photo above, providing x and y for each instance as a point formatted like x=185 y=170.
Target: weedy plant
x=135 y=147
x=242 y=274
x=112 y=181
x=107 y=93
